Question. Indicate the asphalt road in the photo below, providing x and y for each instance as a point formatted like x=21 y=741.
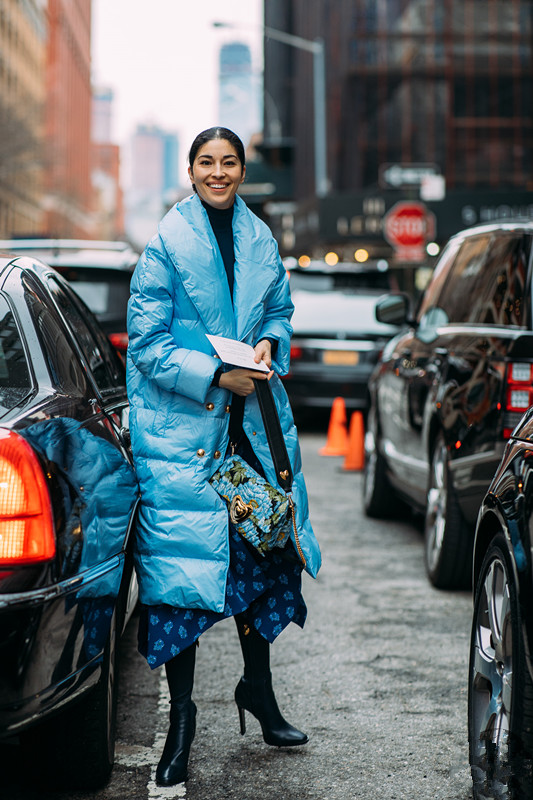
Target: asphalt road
x=378 y=679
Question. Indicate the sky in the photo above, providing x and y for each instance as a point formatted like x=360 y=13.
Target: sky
x=161 y=59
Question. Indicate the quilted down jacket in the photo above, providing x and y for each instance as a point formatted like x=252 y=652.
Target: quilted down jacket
x=178 y=420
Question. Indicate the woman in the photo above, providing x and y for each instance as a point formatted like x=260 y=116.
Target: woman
x=213 y=268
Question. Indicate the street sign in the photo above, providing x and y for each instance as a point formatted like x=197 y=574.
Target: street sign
x=402 y=176
x=408 y=226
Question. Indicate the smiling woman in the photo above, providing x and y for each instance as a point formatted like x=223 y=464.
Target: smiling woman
x=217 y=167
x=189 y=411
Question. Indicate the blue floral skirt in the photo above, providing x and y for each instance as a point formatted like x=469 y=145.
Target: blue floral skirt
x=267 y=587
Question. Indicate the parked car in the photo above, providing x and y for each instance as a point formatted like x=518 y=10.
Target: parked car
x=450 y=388
x=337 y=339
x=68 y=496
x=500 y=705
x=100 y=272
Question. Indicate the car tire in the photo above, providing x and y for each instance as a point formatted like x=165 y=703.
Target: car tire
x=448 y=539
x=500 y=691
x=77 y=747
x=377 y=491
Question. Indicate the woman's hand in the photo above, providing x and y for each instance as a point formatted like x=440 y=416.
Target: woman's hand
x=240 y=381
x=263 y=352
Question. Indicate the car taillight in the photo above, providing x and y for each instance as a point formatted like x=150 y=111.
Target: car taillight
x=296 y=352
x=519 y=395
x=119 y=341
x=26 y=523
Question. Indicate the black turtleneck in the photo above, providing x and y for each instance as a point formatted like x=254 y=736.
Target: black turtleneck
x=221 y=220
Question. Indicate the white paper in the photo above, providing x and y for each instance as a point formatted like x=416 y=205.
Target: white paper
x=239 y=354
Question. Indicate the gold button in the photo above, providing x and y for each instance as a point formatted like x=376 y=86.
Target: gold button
x=200 y=453
x=254 y=433
x=210 y=406
x=217 y=453
x=228 y=409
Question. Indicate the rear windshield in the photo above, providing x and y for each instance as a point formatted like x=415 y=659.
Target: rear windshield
x=15 y=381
x=106 y=292
x=337 y=312
x=327 y=282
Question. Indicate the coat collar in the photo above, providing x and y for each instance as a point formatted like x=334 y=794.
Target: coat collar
x=191 y=244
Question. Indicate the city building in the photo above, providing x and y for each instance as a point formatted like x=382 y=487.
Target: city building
x=239 y=105
x=154 y=180
x=108 y=205
x=23 y=37
x=428 y=119
x=68 y=197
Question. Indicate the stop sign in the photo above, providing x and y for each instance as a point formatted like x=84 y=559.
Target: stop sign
x=409 y=224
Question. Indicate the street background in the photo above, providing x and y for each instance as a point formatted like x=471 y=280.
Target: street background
x=377 y=679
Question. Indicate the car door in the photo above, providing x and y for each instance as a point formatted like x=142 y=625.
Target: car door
x=405 y=379
x=92 y=461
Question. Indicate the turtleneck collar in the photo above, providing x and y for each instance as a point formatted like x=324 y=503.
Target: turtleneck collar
x=219 y=217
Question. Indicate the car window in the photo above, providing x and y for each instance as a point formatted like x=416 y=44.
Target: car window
x=63 y=364
x=15 y=379
x=467 y=273
x=333 y=312
x=431 y=295
x=104 y=363
x=105 y=292
x=497 y=296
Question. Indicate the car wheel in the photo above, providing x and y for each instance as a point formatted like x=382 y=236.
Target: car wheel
x=500 y=691
x=77 y=748
x=377 y=492
x=448 y=539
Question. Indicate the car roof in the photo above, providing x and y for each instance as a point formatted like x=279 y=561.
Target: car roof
x=507 y=225
x=74 y=252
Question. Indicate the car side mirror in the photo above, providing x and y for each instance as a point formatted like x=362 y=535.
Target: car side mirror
x=393 y=309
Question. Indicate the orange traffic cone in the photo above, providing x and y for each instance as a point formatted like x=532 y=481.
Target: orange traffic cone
x=337 y=441
x=355 y=457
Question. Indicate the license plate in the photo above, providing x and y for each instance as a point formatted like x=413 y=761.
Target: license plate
x=344 y=358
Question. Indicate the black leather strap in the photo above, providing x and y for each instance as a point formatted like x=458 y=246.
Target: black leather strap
x=276 y=441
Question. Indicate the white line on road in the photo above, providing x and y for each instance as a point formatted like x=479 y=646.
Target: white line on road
x=135 y=756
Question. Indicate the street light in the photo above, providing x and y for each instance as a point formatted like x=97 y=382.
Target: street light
x=316 y=47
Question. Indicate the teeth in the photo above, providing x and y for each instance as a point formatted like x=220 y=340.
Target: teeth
x=217 y=186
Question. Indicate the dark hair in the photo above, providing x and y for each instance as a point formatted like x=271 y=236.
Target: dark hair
x=216 y=133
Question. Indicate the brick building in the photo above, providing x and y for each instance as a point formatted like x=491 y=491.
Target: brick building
x=416 y=90
x=68 y=120
x=23 y=33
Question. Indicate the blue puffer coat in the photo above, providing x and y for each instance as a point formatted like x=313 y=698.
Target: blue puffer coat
x=178 y=421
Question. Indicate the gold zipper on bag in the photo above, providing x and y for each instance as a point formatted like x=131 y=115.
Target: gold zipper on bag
x=296 y=539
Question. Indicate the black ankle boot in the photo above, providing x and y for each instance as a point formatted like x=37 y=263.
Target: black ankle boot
x=254 y=692
x=172 y=767
x=259 y=699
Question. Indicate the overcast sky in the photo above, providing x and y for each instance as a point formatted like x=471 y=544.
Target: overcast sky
x=161 y=59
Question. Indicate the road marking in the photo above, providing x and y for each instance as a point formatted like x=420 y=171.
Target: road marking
x=135 y=756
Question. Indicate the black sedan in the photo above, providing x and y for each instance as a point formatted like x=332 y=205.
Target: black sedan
x=68 y=496
x=500 y=723
x=100 y=272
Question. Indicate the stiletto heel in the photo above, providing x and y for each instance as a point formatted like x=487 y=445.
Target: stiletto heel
x=242 y=720
x=258 y=698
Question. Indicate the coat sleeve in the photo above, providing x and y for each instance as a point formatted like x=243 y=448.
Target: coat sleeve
x=278 y=312
x=151 y=345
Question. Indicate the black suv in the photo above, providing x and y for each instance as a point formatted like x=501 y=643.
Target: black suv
x=449 y=390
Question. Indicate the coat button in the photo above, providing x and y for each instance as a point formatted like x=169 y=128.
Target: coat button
x=217 y=453
x=210 y=406
x=254 y=433
x=228 y=409
x=200 y=453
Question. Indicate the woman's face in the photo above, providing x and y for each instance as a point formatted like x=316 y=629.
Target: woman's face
x=217 y=173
